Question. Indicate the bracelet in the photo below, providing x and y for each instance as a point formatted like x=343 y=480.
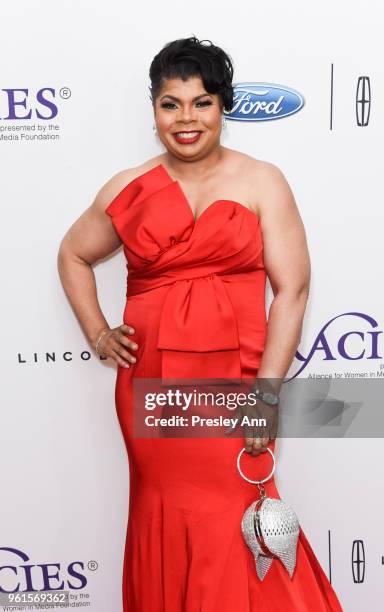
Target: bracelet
x=98 y=340
x=272 y=399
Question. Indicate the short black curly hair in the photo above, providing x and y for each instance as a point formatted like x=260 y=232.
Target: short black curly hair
x=187 y=57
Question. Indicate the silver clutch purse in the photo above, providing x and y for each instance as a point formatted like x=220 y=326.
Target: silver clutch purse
x=270 y=528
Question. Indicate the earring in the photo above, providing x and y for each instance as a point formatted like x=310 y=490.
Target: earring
x=224 y=122
x=154 y=128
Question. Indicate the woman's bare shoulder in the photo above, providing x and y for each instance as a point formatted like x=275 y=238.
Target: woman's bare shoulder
x=252 y=168
x=270 y=186
x=262 y=169
x=112 y=187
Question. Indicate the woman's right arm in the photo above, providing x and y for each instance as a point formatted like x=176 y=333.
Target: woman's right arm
x=90 y=238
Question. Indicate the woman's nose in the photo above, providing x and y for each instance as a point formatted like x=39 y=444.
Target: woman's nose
x=187 y=114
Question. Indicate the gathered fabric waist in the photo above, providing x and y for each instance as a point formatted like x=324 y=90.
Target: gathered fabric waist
x=198 y=329
x=141 y=284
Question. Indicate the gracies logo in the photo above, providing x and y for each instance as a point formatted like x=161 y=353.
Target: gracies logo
x=334 y=346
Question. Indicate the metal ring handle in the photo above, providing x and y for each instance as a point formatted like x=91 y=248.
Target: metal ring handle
x=256 y=481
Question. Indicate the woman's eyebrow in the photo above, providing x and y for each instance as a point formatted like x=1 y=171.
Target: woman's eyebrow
x=178 y=100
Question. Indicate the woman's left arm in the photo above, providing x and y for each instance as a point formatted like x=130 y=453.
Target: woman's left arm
x=287 y=264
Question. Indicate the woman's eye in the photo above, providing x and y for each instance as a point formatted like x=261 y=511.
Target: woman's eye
x=167 y=104
x=172 y=104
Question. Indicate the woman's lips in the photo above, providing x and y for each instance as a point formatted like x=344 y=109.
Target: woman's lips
x=192 y=138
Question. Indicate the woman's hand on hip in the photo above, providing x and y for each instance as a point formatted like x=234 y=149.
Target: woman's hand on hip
x=113 y=342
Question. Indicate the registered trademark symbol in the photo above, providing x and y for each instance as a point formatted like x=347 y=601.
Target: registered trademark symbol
x=92 y=565
x=65 y=93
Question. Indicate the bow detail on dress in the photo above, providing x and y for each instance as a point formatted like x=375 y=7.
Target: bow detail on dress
x=197 y=318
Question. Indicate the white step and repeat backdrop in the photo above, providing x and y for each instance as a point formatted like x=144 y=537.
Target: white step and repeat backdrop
x=74 y=110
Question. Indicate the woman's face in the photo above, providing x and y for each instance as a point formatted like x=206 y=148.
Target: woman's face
x=188 y=118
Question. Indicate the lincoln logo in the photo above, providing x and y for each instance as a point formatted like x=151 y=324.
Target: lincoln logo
x=263 y=102
x=358 y=561
x=363 y=101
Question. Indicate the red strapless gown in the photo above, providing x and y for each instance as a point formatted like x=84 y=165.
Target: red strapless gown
x=196 y=298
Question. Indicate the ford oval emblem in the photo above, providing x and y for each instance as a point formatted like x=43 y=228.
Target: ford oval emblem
x=263 y=102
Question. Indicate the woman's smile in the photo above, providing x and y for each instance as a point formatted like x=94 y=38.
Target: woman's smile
x=187 y=137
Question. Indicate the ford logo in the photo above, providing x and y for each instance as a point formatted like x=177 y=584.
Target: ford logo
x=263 y=102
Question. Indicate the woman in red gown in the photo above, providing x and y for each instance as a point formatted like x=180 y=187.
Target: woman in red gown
x=198 y=250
